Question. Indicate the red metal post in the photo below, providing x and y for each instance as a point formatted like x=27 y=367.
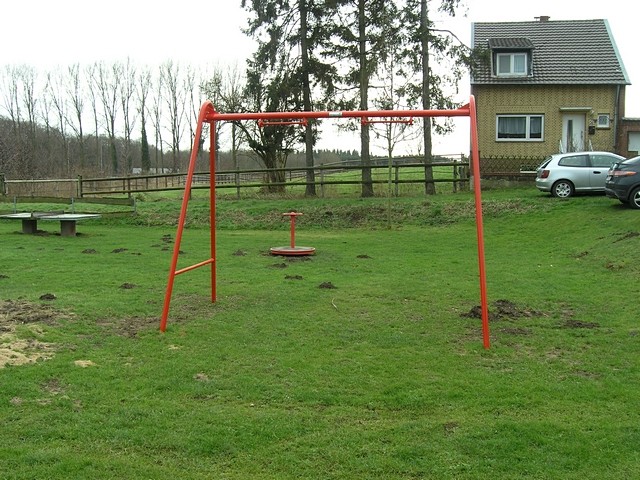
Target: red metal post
x=212 y=206
x=292 y=216
x=475 y=163
x=293 y=231
x=204 y=111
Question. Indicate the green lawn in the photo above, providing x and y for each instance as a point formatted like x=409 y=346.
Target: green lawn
x=363 y=361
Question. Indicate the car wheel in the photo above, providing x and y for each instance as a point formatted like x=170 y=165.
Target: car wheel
x=634 y=198
x=562 y=189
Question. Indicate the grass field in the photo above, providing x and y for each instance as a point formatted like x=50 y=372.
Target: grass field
x=363 y=361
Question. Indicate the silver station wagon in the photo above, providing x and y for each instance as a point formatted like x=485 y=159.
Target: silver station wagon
x=565 y=174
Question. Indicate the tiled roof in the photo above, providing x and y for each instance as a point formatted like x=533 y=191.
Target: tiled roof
x=510 y=43
x=564 y=52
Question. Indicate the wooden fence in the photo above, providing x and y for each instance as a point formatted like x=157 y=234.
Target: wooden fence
x=325 y=175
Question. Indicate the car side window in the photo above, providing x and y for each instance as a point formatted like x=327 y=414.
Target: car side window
x=603 y=161
x=574 y=161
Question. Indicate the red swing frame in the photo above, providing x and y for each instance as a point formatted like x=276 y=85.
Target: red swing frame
x=209 y=115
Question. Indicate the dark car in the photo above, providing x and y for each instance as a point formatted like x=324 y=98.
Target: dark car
x=623 y=182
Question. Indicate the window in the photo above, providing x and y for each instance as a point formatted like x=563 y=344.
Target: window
x=603 y=120
x=634 y=142
x=602 y=161
x=519 y=127
x=574 y=161
x=511 y=64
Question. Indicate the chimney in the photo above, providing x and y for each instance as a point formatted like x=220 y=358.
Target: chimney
x=543 y=18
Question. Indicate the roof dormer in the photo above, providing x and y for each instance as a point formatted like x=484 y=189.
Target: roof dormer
x=511 y=57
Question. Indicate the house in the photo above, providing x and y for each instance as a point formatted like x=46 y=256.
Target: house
x=544 y=87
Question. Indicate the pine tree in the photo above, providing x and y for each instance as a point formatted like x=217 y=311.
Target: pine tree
x=363 y=30
x=289 y=35
x=423 y=43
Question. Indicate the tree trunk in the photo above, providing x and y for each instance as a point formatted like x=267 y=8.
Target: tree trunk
x=429 y=186
x=310 y=190
x=367 y=183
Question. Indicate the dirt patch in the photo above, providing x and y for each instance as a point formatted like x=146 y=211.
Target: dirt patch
x=278 y=265
x=130 y=327
x=21 y=325
x=21 y=312
x=201 y=377
x=613 y=266
x=298 y=259
x=53 y=387
x=239 y=253
x=127 y=286
x=293 y=277
x=503 y=309
x=450 y=427
x=579 y=324
x=327 y=285
x=627 y=236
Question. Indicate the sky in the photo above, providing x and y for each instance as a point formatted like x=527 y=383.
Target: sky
x=50 y=33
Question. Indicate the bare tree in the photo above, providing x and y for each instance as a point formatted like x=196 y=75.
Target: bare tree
x=194 y=99
x=157 y=114
x=390 y=97
x=77 y=98
x=11 y=97
x=91 y=73
x=108 y=86
x=129 y=113
x=174 y=98
x=28 y=78
x=13 y=145
x=55 y=89
x=213 y=90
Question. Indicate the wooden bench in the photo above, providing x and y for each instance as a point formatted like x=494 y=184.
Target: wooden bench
x=67 y=221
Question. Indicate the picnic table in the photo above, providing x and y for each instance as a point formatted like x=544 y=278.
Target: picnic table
x=67 y=220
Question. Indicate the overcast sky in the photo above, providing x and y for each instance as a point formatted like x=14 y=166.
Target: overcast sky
x=47 y=33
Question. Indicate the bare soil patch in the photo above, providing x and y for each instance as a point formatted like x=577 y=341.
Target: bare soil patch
x=129 y=327
x=21 y=325
x=502 y=310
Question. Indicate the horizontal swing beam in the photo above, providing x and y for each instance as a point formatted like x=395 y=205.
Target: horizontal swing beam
x=268 y=123
x=366 y=121
x=212 y=116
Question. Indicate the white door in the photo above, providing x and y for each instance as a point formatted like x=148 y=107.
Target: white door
x=573 y=125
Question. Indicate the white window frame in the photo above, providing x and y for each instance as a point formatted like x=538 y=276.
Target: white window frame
x=603 y=121
x=512 y=72
x=527 y=137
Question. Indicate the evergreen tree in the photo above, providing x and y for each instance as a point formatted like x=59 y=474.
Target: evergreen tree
x=291 y=33
x=145 y=156
x=423 y=43
x=362 y=32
